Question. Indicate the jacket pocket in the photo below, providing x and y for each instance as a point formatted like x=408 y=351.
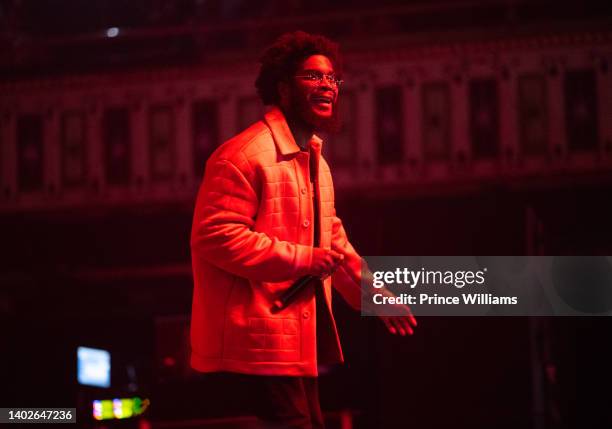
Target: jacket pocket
x=273 y=339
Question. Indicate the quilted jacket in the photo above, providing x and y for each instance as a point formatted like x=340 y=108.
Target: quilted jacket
x=252 y=237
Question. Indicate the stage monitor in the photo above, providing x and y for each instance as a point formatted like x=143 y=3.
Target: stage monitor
x=93 y=367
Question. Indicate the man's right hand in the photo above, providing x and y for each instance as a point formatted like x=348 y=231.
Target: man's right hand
x=325 y=262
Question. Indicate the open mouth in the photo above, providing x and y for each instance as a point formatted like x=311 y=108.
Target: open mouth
x=322 y=100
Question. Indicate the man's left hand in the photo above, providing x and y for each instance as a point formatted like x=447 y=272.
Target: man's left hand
x=402 y=325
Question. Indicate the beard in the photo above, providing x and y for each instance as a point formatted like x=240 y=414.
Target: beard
x=301 y=110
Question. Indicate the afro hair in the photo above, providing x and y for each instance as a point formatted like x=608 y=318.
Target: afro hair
x=281 y=60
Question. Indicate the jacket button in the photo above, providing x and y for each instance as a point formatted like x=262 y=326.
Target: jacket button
x=306 y=223
x=303 y=191
x=306 y=314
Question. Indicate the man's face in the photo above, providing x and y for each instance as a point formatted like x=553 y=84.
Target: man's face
x=313 y=93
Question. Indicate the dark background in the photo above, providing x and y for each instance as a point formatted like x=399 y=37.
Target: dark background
x=63 y=275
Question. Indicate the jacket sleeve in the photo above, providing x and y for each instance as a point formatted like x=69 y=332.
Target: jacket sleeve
x=347 y=278
x=223 y=230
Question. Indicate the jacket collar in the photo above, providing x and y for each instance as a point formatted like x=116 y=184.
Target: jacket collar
x=282 y=135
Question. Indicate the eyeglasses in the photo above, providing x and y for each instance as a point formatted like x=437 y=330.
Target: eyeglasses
x=317 y=77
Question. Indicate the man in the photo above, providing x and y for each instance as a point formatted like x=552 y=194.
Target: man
x=264 y=218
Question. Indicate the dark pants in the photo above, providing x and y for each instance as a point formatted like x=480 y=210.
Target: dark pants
x=282 y=402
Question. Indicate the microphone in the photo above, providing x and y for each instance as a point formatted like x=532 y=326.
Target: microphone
x=285 y=299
